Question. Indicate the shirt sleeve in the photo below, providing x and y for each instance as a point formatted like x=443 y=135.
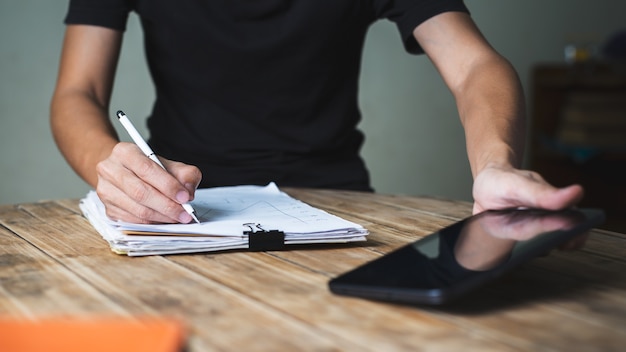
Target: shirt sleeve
x=408 y=14
x=104 y=13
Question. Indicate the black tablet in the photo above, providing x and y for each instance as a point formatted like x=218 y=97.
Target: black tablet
x=459 y=258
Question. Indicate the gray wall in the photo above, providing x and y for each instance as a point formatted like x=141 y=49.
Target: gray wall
x=414 y=145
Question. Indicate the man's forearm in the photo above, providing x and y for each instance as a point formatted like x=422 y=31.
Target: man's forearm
x=491 y=107
x=82 y=131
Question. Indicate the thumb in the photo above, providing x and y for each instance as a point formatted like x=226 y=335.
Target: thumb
x=189 y=176
x=549 y=197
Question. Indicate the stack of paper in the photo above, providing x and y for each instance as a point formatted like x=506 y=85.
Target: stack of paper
x=227 y=215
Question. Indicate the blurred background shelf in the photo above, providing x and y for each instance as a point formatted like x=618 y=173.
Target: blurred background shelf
x=578 y=132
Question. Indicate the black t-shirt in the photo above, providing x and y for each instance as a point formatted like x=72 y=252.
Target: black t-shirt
x=253 y=91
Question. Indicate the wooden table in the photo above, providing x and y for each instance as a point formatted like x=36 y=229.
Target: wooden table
x=53 y=263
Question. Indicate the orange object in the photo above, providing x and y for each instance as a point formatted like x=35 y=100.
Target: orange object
x=118 y=334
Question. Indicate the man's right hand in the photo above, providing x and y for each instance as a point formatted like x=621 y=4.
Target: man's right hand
x=135 y=189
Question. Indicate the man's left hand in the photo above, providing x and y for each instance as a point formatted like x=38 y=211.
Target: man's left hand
x=497 y=187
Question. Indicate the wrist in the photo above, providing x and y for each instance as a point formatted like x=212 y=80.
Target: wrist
x=506 y=158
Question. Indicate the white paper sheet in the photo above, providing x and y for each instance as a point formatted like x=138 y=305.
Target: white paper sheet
x=225 y=213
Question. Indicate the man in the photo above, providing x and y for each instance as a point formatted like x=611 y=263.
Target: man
x=252 y=91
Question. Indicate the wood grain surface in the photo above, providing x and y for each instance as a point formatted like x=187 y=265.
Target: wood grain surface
x=54 y=264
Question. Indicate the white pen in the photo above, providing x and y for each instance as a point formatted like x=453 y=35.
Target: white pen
x=145 y=148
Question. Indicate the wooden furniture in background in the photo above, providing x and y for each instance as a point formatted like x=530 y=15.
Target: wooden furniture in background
x=53 y=264
x=578 y=132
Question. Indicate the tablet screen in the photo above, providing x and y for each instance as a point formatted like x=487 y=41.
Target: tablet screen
x=458 y=258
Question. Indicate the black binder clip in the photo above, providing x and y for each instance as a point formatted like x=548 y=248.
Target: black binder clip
x=260 y=239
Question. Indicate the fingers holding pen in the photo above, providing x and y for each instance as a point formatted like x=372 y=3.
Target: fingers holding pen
x=170 y=186
x=120 y=207
x=136 y=189
x=187 y=175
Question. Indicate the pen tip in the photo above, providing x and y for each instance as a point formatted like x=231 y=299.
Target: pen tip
x=120 y=113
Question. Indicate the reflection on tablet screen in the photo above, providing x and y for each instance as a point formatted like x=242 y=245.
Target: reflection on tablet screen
x=450 y=262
